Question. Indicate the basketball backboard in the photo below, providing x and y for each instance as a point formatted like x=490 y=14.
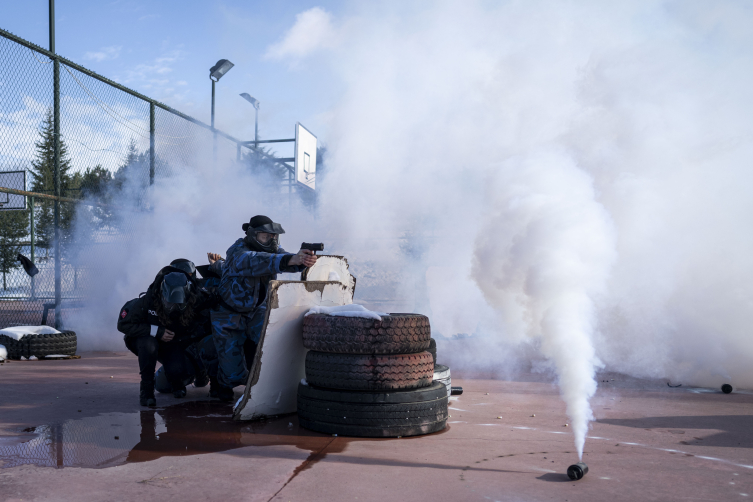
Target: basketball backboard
x=17 y=181
x=305 y=156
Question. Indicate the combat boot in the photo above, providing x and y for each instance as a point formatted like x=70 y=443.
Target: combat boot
x=146 y=394
x=213 y=389
x=225 y=394
x=201 y=380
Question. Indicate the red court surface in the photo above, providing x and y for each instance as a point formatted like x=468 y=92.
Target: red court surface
x=73 y=430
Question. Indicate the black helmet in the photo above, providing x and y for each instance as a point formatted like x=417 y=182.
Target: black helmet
x=260 y=223
x=175 y=291
x=185 y=265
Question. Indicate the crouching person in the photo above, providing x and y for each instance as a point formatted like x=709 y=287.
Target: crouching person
x=250 y=264
x=201 y=364
x=160 y=324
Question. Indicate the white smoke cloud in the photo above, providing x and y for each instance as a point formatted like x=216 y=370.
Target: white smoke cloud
x=566 y=178
x=312 y=31
x=595 y=157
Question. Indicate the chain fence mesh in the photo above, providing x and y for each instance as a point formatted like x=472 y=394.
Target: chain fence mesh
x=107 y=165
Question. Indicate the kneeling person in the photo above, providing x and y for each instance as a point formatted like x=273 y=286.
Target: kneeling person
x=160 y=324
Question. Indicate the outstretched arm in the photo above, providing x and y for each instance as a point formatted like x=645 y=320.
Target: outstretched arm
x=304 y=257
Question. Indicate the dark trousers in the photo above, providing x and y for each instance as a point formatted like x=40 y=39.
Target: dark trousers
x=236 y=337
x=171 y=354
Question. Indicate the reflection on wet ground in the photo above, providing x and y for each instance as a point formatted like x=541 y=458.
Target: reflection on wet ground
x=189 y=428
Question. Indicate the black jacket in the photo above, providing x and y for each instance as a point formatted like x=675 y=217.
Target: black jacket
x=137 y=318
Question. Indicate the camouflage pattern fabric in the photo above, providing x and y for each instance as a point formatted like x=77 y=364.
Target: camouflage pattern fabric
x=231 y=330
x=245 y=272
x=245 y=276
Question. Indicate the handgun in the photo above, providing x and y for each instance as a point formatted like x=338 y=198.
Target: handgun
x=313 y=246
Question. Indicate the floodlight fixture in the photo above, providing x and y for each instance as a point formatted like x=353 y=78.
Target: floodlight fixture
x=250 y=99
x=255 y=103
x=217 y=71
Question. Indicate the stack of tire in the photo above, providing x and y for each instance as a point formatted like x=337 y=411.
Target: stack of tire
x=40 y=346
x=370 y=378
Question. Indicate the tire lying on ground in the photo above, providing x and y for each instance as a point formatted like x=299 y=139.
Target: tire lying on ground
x=63 y=343
x=369 y=372
x=393 y=334
x=373 y=414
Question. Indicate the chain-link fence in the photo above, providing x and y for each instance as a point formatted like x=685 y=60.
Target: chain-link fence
x=62 y=201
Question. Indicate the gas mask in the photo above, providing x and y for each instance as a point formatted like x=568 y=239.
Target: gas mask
x=175 y=291
x=272 y=244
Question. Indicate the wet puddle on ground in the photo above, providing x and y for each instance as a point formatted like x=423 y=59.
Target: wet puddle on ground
x=185 y=429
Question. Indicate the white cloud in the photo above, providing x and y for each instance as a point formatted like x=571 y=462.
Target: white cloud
x=311 y=32
x=104 y=53
x=155 y=75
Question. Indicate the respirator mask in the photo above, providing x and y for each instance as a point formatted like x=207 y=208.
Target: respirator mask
x=175 y=291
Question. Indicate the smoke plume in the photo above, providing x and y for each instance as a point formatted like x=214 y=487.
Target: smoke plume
x=567 y=179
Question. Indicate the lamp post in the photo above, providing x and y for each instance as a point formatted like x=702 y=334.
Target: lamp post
x=215 y=74
x=255 y=103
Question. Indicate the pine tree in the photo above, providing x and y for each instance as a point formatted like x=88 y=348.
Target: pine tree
x=132 y=177
x=96 y=186
x=14 y=226
x=269 y=174
x=131 y=159
x=43 y=181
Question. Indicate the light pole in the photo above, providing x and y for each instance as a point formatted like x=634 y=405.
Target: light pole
x=255 y=103
x=215 y=74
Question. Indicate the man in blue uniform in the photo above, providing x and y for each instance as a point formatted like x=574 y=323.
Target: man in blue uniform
x=250 y=264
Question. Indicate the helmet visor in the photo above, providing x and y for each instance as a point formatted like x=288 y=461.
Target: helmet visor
x=175 y=287
x=186 y=266
x=270 y=228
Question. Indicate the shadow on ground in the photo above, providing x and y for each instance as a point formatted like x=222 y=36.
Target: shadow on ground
x=736 y=429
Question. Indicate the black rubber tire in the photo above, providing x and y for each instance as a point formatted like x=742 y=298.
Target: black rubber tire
x=63 y=343
x=373 y=414
x=393 y=334
x=369 y=372
x=433 y=349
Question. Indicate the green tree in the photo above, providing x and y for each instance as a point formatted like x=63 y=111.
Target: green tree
x=129 y=162
x=43 y=181
x=131 y=179
x=96 y=187
x=14 y=226
x=268 y=174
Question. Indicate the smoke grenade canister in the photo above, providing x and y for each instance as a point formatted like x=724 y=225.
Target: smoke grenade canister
x=577 y=471
x=726 y=388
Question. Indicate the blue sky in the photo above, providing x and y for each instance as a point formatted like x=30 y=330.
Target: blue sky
x=164 y=49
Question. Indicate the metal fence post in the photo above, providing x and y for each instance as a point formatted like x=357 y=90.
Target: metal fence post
x=214 y=131
x=290 y=192
x=31 y=235
x=56 y=164
x=151 y=142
